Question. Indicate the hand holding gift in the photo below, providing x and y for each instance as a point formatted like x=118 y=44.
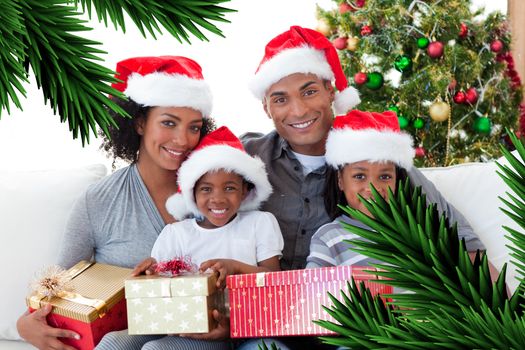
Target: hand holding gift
x=145 y=267
x=221 y=332
x=79 y=305
x=33 y=327
x=224 y=267
x=174 y=300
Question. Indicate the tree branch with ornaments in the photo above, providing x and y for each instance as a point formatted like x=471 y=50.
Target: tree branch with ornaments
x=445 y=69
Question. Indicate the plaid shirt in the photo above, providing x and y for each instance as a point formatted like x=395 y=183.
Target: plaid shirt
x=297 y=200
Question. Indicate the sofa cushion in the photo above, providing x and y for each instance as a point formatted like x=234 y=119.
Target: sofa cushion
x=473 y=188
x=34 y=207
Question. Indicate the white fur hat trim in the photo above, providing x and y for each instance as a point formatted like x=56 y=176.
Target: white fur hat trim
x=217 y=157
x=295 y=60
x=170 y=90
x=345 y=146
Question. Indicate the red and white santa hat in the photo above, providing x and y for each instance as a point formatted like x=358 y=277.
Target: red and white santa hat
x=220 y=149
x=371 y=136
x=303 y=50
x=164 y=81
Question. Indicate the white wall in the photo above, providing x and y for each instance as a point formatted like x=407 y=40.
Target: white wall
x=34 y=138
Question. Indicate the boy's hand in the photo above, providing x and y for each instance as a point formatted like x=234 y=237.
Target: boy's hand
x=224 y=267
x=144 y=267
x=221 y=332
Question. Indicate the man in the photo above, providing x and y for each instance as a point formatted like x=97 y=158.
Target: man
x=294 y=83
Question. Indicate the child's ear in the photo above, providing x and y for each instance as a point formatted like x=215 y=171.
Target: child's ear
x=339 y=180
x=245 y=190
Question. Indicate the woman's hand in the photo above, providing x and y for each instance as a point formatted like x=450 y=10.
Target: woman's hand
x=224 y=267
x=34 y=329
x=219 y=333
x=144 y=267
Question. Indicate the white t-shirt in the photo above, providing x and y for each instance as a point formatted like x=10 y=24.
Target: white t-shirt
x=309 y=163
x=250 y=237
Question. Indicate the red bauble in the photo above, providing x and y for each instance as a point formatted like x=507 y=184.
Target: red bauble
x=463 y=31
x=345 y=7
x=460 y=97
x=471 y=95
x=496 y=45
x=340 y=43
x=420 y=152
x=435 y=49
x=360 y=3
x=360 y=78
x=366 y=30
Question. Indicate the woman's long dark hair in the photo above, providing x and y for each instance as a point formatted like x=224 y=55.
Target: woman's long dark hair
x=124 y=141
x=334 y=196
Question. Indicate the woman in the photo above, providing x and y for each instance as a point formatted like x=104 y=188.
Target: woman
x=118 y=219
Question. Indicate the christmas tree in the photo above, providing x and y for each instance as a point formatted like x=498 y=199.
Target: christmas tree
x=446 y=71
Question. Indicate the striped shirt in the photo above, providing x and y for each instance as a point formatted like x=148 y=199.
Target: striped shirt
x=328 y=246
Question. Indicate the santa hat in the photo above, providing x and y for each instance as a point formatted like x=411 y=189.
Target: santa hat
x=371 y=136
x=164 y=81
x=303 y=50
x=219 y=149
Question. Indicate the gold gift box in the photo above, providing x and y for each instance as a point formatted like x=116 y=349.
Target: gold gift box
x=96 y=289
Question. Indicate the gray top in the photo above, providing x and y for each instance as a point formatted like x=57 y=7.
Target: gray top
x=328 y=246
x=298 y=204
x=114 y=222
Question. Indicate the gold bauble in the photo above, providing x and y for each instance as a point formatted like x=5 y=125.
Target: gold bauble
x=439 y=111
x=323 y=27
x=351 y=43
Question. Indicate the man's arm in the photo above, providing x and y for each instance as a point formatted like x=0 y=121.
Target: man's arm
x=465 y=231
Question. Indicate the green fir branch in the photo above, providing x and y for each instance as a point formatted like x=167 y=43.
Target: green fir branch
x=12 y=72
x=180 y=18
x=44 y=36
x=514 y=176
x=361 y=314
x=452 y=303
x=263 y=346
x=65 y=67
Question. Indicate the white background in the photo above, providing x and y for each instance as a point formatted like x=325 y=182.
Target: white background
x=35 y=139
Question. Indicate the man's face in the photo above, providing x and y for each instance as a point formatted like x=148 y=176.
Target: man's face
x=300 y=106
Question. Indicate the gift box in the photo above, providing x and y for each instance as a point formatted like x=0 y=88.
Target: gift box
x=284 y=303
x=93 y=306
x=172 y=305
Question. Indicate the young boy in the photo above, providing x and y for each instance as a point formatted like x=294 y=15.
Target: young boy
x=221 y=186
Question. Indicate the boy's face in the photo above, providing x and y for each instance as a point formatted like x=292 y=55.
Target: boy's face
x=355 y=178
x=219 y=195
x=300 y=106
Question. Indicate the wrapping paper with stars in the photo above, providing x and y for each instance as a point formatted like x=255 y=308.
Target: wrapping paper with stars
x=285 y=303
x=172 y=305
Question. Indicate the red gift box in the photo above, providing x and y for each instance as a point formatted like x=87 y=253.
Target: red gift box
x=284 y=303
x=96 y=307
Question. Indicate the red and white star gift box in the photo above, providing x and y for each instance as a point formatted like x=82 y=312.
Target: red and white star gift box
x=285 y=303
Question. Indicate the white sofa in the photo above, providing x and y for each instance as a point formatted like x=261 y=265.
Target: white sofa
x=34 y=207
